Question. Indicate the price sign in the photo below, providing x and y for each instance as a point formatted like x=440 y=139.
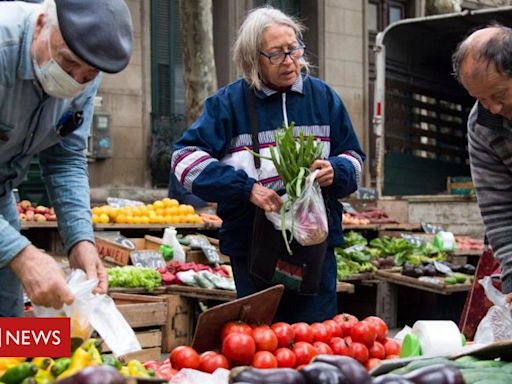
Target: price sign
x=147 y=258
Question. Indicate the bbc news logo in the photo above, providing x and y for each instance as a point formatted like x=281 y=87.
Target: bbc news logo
x=33 y=337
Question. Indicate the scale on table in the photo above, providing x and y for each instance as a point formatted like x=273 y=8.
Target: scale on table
x=258 y=308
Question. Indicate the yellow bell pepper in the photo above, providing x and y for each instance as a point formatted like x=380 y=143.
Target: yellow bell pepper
x=43 y=377
x=80 y=359
x=90 y=346
x=124 y=371
x=135 y=368
x=44 y=363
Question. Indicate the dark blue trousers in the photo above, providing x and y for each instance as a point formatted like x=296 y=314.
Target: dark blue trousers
x=294 y=308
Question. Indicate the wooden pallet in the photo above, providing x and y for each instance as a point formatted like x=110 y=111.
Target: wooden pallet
x=395 y=277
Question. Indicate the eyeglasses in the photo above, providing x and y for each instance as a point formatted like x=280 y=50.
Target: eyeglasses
x=277 y=58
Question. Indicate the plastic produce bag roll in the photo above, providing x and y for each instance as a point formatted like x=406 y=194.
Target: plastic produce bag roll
x=438 y=337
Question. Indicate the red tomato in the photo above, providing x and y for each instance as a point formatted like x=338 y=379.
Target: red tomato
x=340 y=346
x=205 y=354
x=321 y=332
x=210 y=361
x=184 y=357
x=380 y=327
x=285 y=358
x=372 y=362
x=152 y=364
x=284 y=333
x=346 y=321
x=334 y=327
x=239 y=348
x=377 y=350
x=322 y=348
x=392 y=347
x=303 y=332
x=264 y=359
x=360 y=352
x=265 y=338
x=166 y=372
x=363 y=332
x=304 y=352
x=348 y=339
x=235 y=327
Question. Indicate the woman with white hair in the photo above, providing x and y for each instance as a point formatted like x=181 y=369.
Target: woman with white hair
x=210 y=159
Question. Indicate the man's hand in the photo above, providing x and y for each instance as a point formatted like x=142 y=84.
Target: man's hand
x=508 y=299
x=84 y=256
x=265 y=198
x=325 y=176
x=42 y=278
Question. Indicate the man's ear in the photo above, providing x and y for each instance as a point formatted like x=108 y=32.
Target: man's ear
x=40 y=22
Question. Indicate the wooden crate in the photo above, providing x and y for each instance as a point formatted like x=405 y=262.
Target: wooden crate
x=147 y=315
x=179 y=328
x=459 y=185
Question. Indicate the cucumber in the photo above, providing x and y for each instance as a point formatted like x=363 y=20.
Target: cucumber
x=475 y=376
x=450 y=280
x=424 y=363
x=460 y=277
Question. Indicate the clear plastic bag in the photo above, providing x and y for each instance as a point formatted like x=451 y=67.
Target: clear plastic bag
x=91 y=311
x=307 y=217
x=497 y=323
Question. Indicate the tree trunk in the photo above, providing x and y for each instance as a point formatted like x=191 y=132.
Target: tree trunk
x=436 y=7
x=200 y=79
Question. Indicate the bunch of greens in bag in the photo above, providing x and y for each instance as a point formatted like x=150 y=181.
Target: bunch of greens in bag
x=292 y=158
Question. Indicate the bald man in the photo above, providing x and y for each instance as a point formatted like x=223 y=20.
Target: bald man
x=483 y=65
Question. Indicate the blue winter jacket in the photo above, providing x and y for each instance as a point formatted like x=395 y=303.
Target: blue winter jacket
x=210 y=159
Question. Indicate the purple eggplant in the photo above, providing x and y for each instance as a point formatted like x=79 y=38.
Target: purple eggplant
x=323 y=373
x=265 y=376
x=391 y=378
x=437 y=373
x=92 y=375
x=351 y=368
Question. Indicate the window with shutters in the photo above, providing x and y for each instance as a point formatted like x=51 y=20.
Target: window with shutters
x=167 y=88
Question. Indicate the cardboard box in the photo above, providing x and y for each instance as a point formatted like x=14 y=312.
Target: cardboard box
x=119 y=254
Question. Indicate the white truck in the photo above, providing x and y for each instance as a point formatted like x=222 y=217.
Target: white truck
x=419 y=109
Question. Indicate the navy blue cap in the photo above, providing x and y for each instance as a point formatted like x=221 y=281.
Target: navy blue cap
x=98 y=31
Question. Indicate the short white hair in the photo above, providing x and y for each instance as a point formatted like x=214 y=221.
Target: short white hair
x=246 y=50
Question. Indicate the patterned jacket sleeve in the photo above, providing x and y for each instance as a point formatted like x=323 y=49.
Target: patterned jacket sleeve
x=195 y=158
x=346 y=155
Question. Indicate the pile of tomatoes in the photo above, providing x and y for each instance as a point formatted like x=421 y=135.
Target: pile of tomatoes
x=286 y=345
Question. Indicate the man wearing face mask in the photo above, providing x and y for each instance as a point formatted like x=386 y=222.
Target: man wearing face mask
x=51 y=55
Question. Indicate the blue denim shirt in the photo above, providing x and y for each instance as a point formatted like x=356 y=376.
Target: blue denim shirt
x=28 y=121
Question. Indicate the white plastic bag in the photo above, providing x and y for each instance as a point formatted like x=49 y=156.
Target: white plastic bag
x=497 y=323
x=307 y=218
x=90 y=311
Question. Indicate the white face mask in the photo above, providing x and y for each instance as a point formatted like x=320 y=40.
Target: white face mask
x=55 y=81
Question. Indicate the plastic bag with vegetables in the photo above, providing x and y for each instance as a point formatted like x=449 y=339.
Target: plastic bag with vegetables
x=91 y=311
x=306 y=218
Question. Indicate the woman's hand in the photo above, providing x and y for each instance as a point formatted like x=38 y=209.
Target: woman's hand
x=325 y=176
x=265 y=198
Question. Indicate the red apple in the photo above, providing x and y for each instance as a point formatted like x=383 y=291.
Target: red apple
x=42 y=209
x=25 y=204
x=40 y=218
x=23 y=217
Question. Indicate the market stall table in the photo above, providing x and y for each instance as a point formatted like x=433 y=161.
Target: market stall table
x=387 y=292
